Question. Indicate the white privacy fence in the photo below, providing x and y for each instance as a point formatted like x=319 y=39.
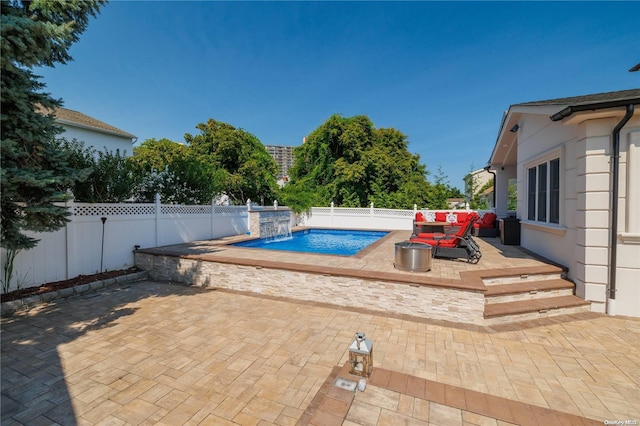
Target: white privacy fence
x=366 y=218
x=86 y=245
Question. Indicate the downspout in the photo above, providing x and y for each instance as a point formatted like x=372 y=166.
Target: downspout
x=614 y=209
x=487 y=168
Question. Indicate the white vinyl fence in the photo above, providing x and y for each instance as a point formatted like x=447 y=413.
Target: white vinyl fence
x=86 y=245
x=365 y=218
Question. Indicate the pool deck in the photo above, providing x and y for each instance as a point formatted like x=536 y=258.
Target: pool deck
x=375 y=261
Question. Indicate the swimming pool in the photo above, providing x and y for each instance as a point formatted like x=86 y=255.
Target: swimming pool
x=341 y=242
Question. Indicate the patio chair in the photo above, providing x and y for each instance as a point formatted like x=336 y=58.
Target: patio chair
x=453 y=246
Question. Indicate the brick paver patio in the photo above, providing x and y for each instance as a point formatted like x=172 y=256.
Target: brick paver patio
x=154 y=353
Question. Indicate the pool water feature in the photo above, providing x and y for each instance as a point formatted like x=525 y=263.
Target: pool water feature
x=340 y=242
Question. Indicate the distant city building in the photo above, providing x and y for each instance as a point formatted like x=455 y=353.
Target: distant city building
x=283 y=156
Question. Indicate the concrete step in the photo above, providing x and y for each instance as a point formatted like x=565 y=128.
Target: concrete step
x=523 y=310
x=491 y=282
x=526 y=290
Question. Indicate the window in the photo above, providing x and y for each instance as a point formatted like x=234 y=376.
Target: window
x=542 y=193
x=543 y=196
x=532 y=194
x=554 y=191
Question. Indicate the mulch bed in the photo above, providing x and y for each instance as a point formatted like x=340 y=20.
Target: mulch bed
x=59 y=285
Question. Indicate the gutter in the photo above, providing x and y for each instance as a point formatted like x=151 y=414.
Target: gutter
x=570 y=110
x=487 y=168
x=613 y=257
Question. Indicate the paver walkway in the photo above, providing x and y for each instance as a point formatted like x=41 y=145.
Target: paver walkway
x=153 y=353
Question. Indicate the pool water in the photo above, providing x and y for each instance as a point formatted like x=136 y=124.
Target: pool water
x=325 y=241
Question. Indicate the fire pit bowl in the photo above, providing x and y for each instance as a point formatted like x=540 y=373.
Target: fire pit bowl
x=414 y=257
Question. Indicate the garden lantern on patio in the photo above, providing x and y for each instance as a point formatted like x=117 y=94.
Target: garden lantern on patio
x=361 y=356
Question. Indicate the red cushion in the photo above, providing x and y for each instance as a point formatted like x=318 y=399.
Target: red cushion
x=489 y=219
x=461 y=217
x=441 y=217
x=449 y=242
x=419 y=217
x=430 y=235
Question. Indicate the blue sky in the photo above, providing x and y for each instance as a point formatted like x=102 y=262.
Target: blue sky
x=443 y=73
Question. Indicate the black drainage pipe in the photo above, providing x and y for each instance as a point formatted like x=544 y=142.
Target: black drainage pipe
x=613 y=257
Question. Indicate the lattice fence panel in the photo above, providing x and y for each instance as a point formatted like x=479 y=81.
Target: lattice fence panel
x=112 y=209
x=351 y=211
x=392 y=212
x=231 y=210
x=178 y=209
x=320 y=210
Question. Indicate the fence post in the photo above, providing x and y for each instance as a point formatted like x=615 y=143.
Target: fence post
x=331 y=215
x=213 y=215
x=371 y=209
x=69 y=239
x=249 y=216
x=158 y=216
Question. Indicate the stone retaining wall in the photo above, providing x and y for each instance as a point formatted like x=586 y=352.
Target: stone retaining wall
x=387 y=296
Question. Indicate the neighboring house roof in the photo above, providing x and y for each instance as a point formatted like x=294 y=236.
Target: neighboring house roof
x=78 y=119
x=487 y=191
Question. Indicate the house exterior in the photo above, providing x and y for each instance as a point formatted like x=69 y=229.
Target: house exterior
x=576 y=163
x=94 y=133
x=480 y=178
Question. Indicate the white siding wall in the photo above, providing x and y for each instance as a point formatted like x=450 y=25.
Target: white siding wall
x=593 y=151
x=581 y=240
x=541 y=139
x=99 y=141
x=628 y=273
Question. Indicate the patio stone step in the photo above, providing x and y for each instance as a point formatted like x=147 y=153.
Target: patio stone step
x=497 y=281
x=522 y=310
x=527 y=290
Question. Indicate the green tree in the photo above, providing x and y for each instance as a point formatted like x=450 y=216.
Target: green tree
x=244 y=167
x=512 y=201
x=110 y=180
x=440 y=192
x=350 y=162
x=35 y=171
x=175 y=172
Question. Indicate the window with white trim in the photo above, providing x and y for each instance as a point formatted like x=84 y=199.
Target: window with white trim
x=543 y=192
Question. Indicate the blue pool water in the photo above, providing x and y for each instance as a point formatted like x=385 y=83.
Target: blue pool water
x=325 y=241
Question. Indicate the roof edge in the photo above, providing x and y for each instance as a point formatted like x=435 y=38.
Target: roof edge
x=571 y=109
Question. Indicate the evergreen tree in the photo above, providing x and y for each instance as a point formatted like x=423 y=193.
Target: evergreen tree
x=35 y=170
